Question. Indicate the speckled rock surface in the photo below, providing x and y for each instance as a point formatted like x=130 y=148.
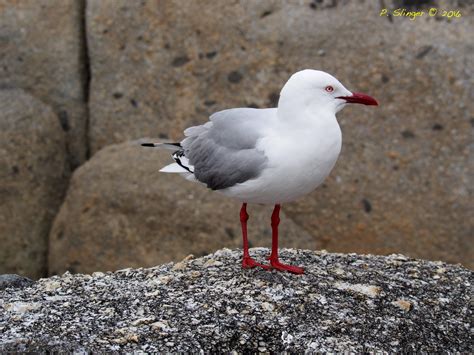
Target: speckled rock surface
x=42 y=52
x=343 y=303
x=14 y=281
x=33 y=179
x=401 y=183
x=121 y=212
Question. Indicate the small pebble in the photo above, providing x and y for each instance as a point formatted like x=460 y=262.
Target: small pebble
x=141 y=321
x=179 y=266
x=403 y=304
x=212 y=262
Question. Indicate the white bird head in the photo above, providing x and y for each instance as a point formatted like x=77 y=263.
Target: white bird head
x=318 y=90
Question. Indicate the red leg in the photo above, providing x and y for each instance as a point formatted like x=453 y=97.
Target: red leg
x=276 y=264
x=247 y=261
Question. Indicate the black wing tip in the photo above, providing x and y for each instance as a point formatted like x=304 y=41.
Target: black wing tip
x=148 y=144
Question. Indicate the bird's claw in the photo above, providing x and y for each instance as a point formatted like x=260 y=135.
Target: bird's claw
x=249 y=263
x=276 y=264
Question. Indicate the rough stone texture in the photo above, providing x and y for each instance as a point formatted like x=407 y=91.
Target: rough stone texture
x=401 y=184
x=14 y=281
x=42 y=52
x=343 y=303
x=121 y=212
x=33 y=178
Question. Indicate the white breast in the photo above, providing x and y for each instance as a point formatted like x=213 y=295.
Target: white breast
x=299 y=159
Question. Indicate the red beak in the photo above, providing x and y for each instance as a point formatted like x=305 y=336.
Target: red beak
x=358 y=98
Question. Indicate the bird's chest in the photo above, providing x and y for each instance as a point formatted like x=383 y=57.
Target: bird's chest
x=302 y=159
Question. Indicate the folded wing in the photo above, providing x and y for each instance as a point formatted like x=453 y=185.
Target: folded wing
x=223 y=152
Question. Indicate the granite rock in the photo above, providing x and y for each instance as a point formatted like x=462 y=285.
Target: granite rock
x=42 y=51
x=121 y=212
x=33 y=179
x=402 y=181
x=349 y=303
x=15 y=281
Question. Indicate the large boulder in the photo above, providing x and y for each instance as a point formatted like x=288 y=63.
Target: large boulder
x=33 y=179
x=42 y=50
x=121 y=212
x=401 y=183
x=343 y=303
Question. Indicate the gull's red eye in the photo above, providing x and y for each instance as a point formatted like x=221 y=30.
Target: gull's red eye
x=329 y=88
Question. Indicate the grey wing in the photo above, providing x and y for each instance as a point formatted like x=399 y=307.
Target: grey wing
x=223 y=151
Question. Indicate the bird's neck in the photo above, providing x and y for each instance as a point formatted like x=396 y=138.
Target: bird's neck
x=305 y=116
x=303 y=108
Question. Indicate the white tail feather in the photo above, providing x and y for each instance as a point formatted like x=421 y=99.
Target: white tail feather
x=173 y=168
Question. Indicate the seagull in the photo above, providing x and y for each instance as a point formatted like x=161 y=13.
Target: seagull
x=270 y=155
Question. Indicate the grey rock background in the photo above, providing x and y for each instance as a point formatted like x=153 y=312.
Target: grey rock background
x=42 y=51
x=34 y=174
x=113 y=71
x=344 y=302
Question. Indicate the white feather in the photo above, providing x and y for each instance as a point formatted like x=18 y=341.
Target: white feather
x=173 y=168
x=185 y=162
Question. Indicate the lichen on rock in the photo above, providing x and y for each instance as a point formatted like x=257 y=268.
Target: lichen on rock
x=344 y=302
